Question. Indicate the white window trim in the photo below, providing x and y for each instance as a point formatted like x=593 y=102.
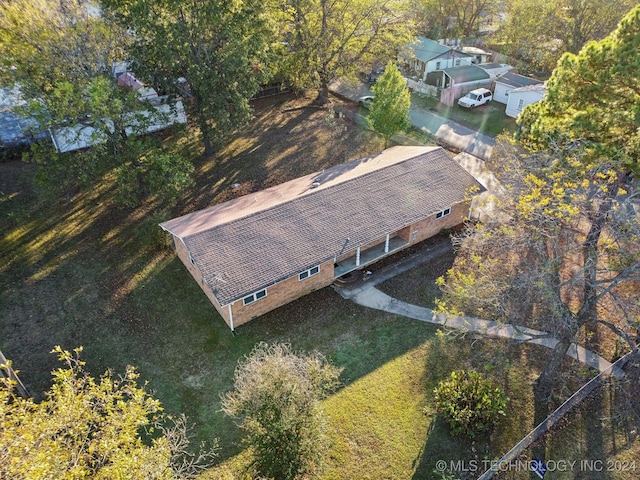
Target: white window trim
x=254 y=297
x=443 y=213
x=309 y=273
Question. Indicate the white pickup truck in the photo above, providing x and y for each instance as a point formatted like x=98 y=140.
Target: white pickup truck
x=476 y=98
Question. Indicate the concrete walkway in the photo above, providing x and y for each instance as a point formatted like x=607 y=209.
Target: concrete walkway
x=364 y=293
x=449 y=133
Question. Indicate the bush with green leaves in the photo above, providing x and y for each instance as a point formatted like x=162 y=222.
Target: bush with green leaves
x=469 y=403
x=89 y=428
x=276 y=398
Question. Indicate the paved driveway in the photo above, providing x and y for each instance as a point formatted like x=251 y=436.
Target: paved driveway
x=449 y=133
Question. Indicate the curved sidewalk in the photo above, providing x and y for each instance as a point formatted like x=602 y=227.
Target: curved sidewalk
x=367 y=295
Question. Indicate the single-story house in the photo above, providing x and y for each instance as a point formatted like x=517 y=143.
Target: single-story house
x=508 y=82
x=166 y=112
x=257 y=252
x=523 y=96
x=426 y=55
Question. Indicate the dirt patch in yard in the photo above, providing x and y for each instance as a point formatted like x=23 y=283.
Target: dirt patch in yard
x=416 y=286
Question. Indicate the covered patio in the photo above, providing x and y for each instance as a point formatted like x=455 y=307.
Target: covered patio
x=370 y=255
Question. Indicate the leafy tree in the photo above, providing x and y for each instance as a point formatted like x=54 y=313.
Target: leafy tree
x=540 y=31
x=389 y=111
x=593 y=102
x=277 y=397
x=442 y=18
x=60 y=55
x=564 y=254
x=326 y=40
x=92 y=429
x=222 y=48
x=469 y=403
x=560 y=254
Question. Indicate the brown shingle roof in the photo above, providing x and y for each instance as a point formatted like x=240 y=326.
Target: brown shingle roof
x=254 y=241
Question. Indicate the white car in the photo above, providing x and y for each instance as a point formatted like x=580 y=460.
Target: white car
x=476 y=98
x=366 y=101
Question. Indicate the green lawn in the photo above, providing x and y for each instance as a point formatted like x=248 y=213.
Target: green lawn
x=77 y=270
x=489 y=119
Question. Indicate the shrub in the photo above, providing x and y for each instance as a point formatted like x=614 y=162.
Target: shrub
x=469 y=403
x=276 y=397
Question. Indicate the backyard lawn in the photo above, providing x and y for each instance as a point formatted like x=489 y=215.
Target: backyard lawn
x=77 y=270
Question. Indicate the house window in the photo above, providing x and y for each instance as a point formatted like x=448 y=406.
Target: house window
x=521 y=104
x=443 y=213
x=309 y=273
x=457 y=62
x=437 y=65
x=254 y=296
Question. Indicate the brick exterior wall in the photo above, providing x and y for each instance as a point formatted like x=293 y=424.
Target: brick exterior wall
x=431 y=226
x=282 y=293
x=183 y=254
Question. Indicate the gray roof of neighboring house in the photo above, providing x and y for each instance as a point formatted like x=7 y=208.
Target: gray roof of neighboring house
x=14 y=129
x=466 y=73
x=256 y=240
x=515 y=80
x=538 y=87
x=425 y=49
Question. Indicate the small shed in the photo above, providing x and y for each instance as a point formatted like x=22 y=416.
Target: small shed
x=508 y=82
x=523 y=96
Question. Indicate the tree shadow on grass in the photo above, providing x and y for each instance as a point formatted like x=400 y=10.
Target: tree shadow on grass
x=505 y=364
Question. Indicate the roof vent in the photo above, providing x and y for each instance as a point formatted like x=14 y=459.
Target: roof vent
x=315 y=184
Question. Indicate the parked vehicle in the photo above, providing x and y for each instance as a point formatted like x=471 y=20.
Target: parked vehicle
x=366 y=101
x=475 y=98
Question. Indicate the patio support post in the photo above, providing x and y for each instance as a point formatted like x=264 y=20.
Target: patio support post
x=386 y=244
x=358 y=257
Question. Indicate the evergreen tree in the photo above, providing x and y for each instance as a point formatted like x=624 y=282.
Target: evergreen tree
x=389 y=112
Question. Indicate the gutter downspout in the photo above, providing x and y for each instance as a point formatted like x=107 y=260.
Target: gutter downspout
x=231 y=317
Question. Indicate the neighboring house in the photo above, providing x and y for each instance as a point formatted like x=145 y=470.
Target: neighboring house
x=523 y=96
x=78 y=137
x=427 y=56
x=167 y=112
x=16 y=130
x=508 y=82
x=257 y=252
x=457 y=81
